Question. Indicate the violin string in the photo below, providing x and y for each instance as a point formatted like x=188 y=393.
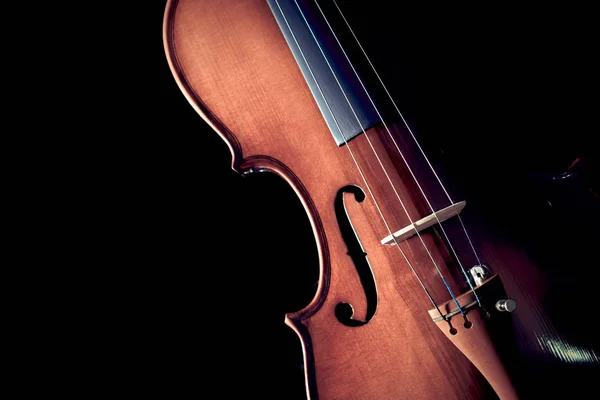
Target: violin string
x=380 y=163
x=410 y=131
x=357 y=164
x=403 y=159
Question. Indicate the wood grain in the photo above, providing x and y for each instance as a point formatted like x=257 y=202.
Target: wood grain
x=263 y=80
x=233 y=65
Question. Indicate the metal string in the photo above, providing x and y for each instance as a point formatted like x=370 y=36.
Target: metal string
x=404 y=159
x=357 y=165
x=408 y=127
x=380 y=163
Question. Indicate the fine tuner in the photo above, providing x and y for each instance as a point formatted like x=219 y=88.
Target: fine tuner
x=290 y=87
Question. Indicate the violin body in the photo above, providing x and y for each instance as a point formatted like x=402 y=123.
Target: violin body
x=236 y=69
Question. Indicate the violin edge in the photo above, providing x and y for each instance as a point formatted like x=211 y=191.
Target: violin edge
x=262 y=163
x=197 y=104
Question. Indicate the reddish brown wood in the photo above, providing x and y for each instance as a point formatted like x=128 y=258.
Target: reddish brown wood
x=234 y=66
x=477 y=341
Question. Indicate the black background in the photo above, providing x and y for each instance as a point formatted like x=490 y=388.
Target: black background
x=499 y=97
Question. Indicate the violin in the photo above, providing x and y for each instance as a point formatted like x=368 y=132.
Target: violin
x=420 y=293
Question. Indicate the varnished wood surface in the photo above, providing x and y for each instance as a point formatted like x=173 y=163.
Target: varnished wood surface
x=407 y=346
x=486 y=336
x=275 y=125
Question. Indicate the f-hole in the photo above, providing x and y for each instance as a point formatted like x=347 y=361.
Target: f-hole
x=344 y=311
